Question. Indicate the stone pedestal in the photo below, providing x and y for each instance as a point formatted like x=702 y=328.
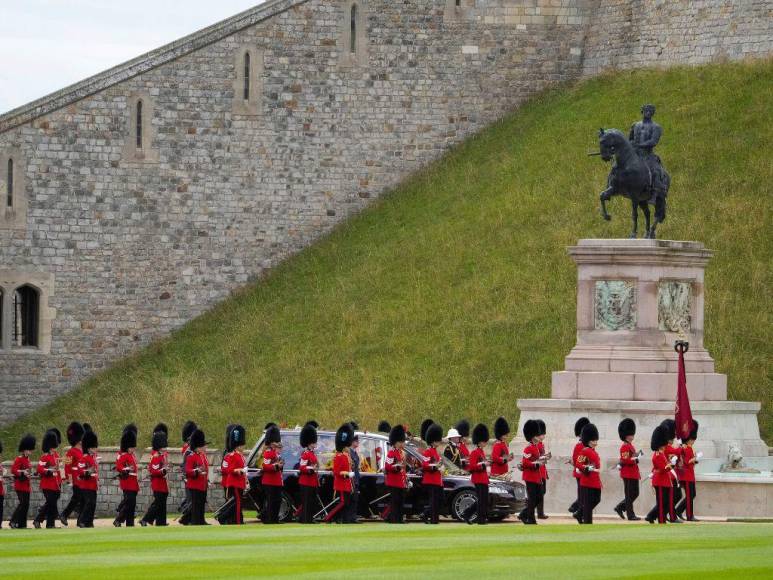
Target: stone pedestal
x=634 y=297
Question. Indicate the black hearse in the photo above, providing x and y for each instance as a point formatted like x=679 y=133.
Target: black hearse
x=505 y=497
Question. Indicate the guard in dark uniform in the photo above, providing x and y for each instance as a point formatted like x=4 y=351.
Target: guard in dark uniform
x=451 y=452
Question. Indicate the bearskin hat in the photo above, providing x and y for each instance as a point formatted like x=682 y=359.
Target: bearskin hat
x=479 y=434
x=227 y=446
x=424 y=426
x=344 y=437
x=659 y=437
x=694 y=431
x=131 y=427
x=433 y=434
x=269 y=425
x=273 y=435
x=188 y=430
x=397 y=434
x=308 y=435
x=501 y=428
x=90 y=440
x=589 y=433
x=463 y=428
x=237 y=437
x=128 y=440
x=384 y=427
x=87 y=428
x=543 y=429
x=161 y=427
x=198 y=439
x=49 y=441
x=58 y=434
x=670 y=426
x=581 y=422
x=530 y=430
x=27 y=443
x=160 y=440
x=354 y=425
x=74 y=433
x=313 y=423
x=626 y=428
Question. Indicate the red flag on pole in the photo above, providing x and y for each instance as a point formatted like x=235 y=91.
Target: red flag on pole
x=682 y=412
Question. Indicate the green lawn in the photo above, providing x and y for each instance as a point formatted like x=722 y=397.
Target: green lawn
x=454 y=295
x=381 y=551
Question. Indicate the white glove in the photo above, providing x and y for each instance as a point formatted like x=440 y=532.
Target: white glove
x=591 y=469
x=699 y=455
x=351 y=475
x=674 y=460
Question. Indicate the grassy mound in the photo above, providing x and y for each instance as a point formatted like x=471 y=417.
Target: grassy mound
x=453 y=296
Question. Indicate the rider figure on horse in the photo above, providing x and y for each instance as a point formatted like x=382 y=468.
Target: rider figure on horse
x=645 y=136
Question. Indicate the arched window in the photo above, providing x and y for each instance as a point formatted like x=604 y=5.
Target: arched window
x=353 y=36
x=246 y=76
x=139 y=124
x=9 y=200
x=26 y=308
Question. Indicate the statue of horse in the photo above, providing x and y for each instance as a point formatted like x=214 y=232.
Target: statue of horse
x=634 y=178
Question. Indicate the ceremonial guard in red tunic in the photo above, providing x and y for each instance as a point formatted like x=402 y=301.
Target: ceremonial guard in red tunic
x=661 y=475
x=478 y=468
x=21 y=470
x=272 y=479
x=432 y=476
x=197 y=477
x=530 y=468
x=128 y=477
x=158 y=470
x=72 y=458
x=629 y=469
x=185 y=508
x=396 y=474
x=673 y=455
x=50 y=481
x=686 y=473
x=543 y=468
x=589 y=465
x=88 y=474
x=500 y=453
x=578 y=447
x=342 y=473
x=234 y=471
x=308 y=478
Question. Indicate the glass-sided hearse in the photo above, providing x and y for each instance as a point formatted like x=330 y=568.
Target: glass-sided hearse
x=505 y=497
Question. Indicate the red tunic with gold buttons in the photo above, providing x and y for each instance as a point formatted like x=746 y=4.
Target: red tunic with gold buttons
x=197 y=471
x=308 y=469
x=687 y=467
x=342 y=466
x=272 y=469
x=629 y=466
x=543 y=468
x=158 y=470
x=579 y=446
x=71 y=460
x=232 y=462
x=394 y=469
x=588 y=458
x=478 y=467
x=531 y=472
x=430 y=467
x=48 y=468
x=661 y=468
x=22 y=471
x=88 y=472
x=500 y=458
x=126 y=467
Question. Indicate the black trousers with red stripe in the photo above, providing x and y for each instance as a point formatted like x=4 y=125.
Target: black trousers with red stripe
x=309 y=504
x=688 y=501
x=338 y=513
x=664 y=504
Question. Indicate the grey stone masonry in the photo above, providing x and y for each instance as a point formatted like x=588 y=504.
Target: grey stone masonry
x=154 y=190
x=109 y=493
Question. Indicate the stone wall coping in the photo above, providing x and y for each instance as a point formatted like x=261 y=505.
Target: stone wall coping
x=144 y=63
x=626 y=251
x=653 y=407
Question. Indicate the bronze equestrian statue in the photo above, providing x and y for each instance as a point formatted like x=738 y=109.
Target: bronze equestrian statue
x=637 y=172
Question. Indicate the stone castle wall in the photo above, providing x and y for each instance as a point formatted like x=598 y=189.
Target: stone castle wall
x=626 y=34
x=126 y=245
